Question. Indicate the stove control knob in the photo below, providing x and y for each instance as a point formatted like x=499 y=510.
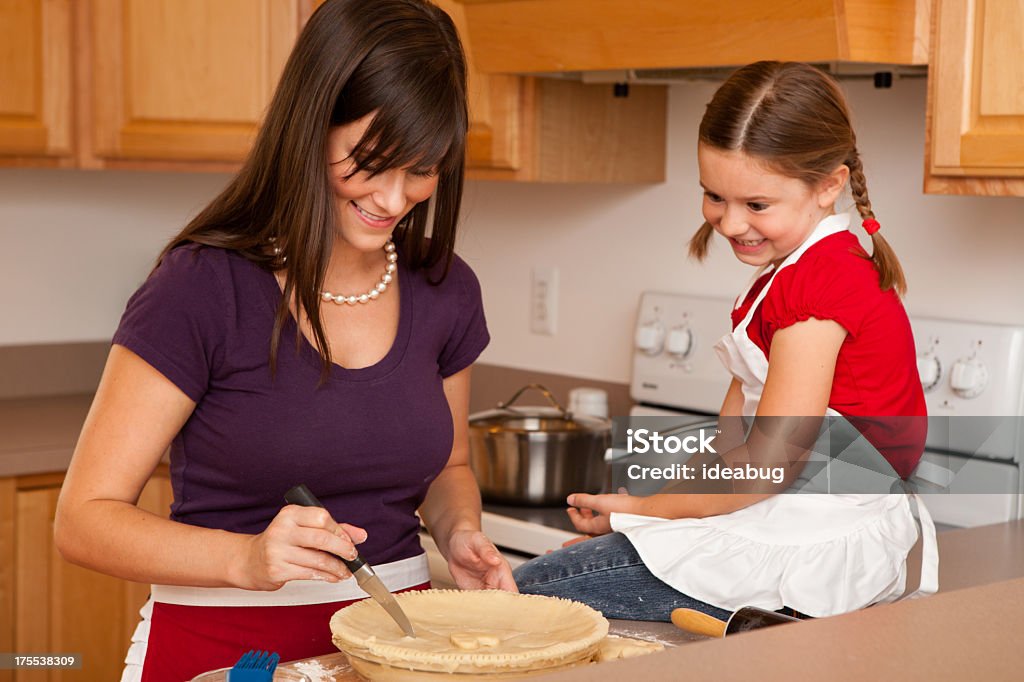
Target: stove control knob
x=650 y=338
x=679 y=342
x=930 y=370
x=968 y=377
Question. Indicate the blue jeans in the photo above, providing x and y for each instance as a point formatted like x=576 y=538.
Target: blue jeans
x=607 y=574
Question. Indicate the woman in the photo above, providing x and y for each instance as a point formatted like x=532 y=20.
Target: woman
x=301 y=329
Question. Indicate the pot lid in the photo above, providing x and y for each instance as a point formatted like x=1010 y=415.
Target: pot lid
x=544 y=419
x=540 y=419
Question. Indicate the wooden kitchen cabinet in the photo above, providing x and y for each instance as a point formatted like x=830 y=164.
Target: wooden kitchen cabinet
x=554 y=130
x=975 y=128
x=183 y=85
x=543 y=130
x=549 y=36
x=183 y=81
x=36 y=124
x=160 y=84
x=50 y=606
x=524 y=128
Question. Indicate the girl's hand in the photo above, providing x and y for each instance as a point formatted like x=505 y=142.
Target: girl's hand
x=590 y=514
x=475 y=563
x=298 y=545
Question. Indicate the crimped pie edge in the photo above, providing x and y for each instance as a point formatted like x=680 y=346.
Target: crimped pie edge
x=350 y=640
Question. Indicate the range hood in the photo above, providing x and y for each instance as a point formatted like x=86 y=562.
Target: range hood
x=559 y=36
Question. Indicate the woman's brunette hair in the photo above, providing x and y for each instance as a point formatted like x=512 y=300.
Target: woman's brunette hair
x=399 y=58
x=793 y=117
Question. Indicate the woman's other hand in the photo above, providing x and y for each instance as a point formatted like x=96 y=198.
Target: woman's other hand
x=476 y=564
x=591 y=514
x=301 y=543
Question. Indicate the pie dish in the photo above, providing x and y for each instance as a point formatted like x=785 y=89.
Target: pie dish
x=488 y=633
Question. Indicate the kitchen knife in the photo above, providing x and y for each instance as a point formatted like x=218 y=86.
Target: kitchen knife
x=746 y=618
x=362 y=571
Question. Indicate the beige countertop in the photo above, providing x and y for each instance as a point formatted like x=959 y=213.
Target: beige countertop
x=970 y=634
x=38 y=435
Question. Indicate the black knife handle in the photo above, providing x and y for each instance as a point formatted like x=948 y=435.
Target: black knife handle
x=301 y=496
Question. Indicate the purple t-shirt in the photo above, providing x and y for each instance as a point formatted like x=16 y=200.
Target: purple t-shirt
x=368 y=442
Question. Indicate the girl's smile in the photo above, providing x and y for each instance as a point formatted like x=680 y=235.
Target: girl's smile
x=748 y=247
x=765 y=215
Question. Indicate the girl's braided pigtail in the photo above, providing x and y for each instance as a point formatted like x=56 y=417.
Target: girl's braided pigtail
x=700 y=240
x=888 y=266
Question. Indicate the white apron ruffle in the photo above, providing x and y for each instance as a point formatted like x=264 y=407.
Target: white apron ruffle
x=777 y=553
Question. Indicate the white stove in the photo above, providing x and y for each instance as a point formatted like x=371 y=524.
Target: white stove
x=972 y=372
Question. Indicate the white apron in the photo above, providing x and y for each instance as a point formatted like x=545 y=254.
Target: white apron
x=821 y=554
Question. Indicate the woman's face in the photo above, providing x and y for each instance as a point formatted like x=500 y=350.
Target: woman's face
x=370 y=207
x=764 y=215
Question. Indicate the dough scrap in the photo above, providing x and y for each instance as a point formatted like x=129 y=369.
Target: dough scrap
x=614 y=647
x=469 y=641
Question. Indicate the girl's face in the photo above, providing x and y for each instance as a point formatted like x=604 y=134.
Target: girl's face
x=370 y=207
x=764 y=215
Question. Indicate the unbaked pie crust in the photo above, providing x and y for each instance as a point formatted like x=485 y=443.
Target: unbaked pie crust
x=488 y=633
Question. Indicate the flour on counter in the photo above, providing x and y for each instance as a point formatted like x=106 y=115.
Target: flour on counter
x=643 y=634
x=316 y=672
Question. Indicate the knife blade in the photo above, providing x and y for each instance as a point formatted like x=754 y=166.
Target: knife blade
x=364 y=574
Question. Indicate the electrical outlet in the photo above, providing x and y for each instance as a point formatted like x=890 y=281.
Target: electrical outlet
x=544 y=301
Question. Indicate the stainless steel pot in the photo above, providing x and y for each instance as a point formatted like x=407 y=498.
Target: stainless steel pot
x=537 y=455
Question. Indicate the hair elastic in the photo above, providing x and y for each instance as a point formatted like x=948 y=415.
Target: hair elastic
x=871 y=225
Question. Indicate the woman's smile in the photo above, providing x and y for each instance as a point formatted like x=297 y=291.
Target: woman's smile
x=378 y=200
x=373 y=219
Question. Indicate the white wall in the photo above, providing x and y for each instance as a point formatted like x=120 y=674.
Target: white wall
x=75 y=244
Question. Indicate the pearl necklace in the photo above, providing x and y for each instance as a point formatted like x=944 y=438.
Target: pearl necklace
x=377 y=290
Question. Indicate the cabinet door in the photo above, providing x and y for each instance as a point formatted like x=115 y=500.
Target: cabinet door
x=976 y=98
x=183 y=80
x=500 y=110
x=501 y=107
x=35 y=80
x=62 y=608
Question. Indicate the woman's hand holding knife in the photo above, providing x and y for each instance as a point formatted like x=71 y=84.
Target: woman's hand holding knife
x=298 y=545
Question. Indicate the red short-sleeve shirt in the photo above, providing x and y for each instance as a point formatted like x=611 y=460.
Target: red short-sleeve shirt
x=876 y=371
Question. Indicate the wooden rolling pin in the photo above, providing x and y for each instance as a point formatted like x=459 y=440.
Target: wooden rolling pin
x=747 y=618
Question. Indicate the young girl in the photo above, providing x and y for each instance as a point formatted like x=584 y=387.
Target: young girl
x=301 y=329
x=819 y=331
